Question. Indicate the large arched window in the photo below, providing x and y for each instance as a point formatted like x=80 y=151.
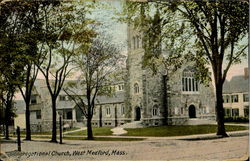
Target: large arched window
x=189 y=83
x=138 y=41
x=107 y=111
x=122 y=109
x=136 y=88
x=134 y=42
x=155 y=110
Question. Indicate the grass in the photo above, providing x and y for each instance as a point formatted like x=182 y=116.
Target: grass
x=47 y=132
x=237 y=123
x=179 y=130
x=72 y=129
x=103 y=131
x=104 y=139
x=37 y=133
x=95 y=138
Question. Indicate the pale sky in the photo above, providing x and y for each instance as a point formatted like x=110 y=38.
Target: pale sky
x=119 y=32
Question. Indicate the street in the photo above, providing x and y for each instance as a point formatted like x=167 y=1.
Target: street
x=150 y=149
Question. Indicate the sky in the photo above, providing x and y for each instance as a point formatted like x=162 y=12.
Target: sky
x=118 y=31
x=106 y=14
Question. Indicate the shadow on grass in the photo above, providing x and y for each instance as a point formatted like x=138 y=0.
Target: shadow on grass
x=4 y=141
x=48 y=139
x=104 y=139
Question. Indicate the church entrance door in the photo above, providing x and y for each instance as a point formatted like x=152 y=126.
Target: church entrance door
x=137 y=114
x=191 y=111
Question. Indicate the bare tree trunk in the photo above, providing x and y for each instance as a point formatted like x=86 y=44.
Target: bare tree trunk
x=27 y=119
x=26 y=96
x=89 y=128
x=116 y=121
x=7 y=120
x=165 y=100
x=220 y=111
x=100 y=116
x=7 y=131
x=53 y=139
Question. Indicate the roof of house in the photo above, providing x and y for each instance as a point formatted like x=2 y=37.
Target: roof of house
x=238 y=84
x=118 y=97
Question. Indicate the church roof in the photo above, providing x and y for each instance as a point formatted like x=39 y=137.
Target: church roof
x=238 y=84
x=118 y=97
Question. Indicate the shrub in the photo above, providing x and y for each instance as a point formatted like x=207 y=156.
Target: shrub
x=236 y=119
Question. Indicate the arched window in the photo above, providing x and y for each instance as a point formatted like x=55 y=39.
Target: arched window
x=155 y=110
x=136 y=88
x=134 y=42
x=138 y=41
x=107 y=110
x=189 y=83
x=122 y=109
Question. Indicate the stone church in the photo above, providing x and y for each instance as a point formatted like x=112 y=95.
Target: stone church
x=148 y=99
x=141 y=96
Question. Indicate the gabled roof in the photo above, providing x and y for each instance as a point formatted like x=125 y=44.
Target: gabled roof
x=118 y=97
x=238 y=84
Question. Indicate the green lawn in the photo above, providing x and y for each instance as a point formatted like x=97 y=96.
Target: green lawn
x=103 y=131
x=179 y=130
x=47 y=132
x=95 y=138
x=104 y=139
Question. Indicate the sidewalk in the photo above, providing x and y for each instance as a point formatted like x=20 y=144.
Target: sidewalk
x=4 y=157
x=118 y=131
x=148 y=140
x=69 y=132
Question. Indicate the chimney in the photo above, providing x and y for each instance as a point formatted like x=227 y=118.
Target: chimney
x=246 y=74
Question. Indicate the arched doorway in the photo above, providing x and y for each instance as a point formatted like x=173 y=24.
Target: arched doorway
x=191 y=111
x=137 y=113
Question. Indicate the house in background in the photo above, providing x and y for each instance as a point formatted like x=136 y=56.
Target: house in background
x=236 y=95
x=109 y=111
x=19 y=120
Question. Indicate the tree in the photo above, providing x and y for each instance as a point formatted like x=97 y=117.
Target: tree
x=216 y=31
x=64 y=24
x=97 y=64
x=33 y=38
x=24 y=20
x=13 y=55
